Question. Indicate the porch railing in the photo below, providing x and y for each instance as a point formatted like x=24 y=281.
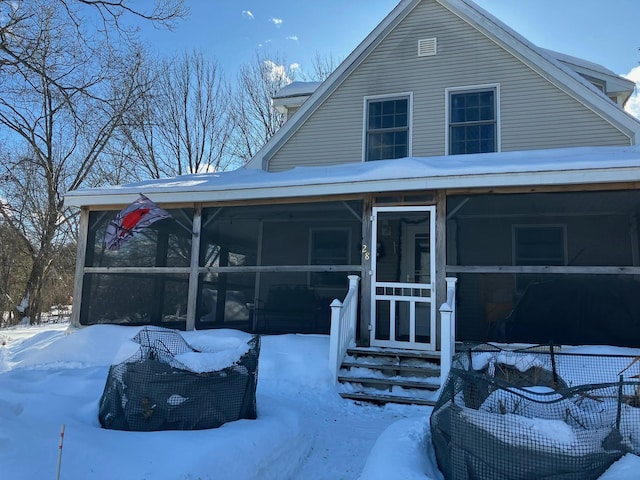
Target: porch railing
x=448 y=330
x=344 y=316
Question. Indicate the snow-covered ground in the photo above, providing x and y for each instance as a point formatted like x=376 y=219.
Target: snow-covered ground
x=50 y=376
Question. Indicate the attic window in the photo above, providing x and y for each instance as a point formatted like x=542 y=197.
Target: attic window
x=427 y=47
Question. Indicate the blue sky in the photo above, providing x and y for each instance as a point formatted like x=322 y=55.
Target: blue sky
x=232 y=30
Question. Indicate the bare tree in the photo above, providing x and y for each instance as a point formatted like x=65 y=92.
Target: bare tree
x=62 y=95
x=183 y=126
x=322 y=66
x=14 y=268
x=161 y=11
x=255 y=119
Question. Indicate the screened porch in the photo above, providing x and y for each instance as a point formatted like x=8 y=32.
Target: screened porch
x=540 y=267
x=261 y=268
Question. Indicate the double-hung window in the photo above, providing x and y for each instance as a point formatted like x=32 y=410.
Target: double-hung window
x=473 y=120
x=387 y=127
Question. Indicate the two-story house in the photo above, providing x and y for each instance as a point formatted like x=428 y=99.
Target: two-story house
x=445 y=146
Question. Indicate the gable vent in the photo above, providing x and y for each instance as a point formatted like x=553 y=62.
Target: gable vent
x=427 y=47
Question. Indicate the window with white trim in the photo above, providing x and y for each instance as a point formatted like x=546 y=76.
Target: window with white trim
x=387 y=128
x=473 y=121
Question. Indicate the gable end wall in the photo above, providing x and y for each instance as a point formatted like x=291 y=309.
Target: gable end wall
x=535 y=114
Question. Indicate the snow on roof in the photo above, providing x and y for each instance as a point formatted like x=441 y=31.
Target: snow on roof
x=580 y=62
x=534 y=167
x=295 y=89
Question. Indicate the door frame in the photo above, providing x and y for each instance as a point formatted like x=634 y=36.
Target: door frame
x=395 y=299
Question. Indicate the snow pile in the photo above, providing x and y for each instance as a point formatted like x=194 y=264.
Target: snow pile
x=50 y=377
x=304 y=430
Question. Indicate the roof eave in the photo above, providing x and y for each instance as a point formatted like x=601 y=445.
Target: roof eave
x=458 y=181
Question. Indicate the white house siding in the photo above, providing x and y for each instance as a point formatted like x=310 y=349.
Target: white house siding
x=535 y=114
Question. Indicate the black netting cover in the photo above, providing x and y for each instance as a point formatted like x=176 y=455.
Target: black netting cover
x=153 y=391
x=530 y=414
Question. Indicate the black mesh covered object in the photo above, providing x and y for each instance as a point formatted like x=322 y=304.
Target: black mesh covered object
x=529 y=414
x=153 y=391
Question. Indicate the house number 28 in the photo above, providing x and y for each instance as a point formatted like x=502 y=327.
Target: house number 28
x=365 y=252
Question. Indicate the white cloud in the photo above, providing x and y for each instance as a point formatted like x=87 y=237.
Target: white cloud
x=248 y=14
x=633 y=104
x=276 y=73
x=293 y=37
x=276 y=21
x=294 y=67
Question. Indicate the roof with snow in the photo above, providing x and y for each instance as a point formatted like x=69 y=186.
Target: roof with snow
x=582 y=165
x=295 y=89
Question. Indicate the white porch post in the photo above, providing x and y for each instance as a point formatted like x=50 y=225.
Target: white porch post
x=448 y=330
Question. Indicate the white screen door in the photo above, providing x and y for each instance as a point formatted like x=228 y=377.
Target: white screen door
x=402 y=302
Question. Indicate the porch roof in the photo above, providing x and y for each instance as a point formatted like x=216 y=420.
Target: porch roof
x=582 y=165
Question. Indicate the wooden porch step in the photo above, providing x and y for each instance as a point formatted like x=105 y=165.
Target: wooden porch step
x=397 y=368
x=390 y=375
x=393 y=352
x=385 y=398
x=391 y=381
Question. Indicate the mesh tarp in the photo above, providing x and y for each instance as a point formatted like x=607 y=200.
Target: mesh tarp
x=530 y=414
x=153 y=391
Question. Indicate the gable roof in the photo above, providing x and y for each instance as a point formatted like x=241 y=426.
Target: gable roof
x=615 y=84
x=536 y=58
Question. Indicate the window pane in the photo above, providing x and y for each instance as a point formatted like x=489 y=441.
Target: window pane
x=388 y=114
x=472 y=106
x=383 y=146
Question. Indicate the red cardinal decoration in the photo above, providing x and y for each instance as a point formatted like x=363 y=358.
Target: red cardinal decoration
x=140 y=214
